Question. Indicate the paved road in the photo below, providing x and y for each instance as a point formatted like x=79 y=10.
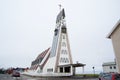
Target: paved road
x=8 y=77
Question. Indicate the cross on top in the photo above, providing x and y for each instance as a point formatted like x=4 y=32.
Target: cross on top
x=60 y=6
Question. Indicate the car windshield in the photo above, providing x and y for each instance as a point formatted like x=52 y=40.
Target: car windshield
x=107 y=76
x=101 y=74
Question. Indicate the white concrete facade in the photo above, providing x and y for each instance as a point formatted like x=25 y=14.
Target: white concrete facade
x=109 y=67
x=115 y=36
x=51 y=61
x=60 y=51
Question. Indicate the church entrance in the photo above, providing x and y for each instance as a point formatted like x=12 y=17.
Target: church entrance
x=70 y=68
x=67 y=69
x=61 y=69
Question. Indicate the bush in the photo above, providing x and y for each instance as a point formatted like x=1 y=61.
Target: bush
x=88 y=75
x=2 y=71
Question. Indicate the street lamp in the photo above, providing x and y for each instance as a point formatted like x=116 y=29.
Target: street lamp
x=93 y=70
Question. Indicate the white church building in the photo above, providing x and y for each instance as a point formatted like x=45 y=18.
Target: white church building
x=57 y=60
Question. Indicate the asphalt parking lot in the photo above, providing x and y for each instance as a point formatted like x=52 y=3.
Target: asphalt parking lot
x=23 y=77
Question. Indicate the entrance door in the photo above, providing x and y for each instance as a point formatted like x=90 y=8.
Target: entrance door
x=67 y=69
x=61 y=69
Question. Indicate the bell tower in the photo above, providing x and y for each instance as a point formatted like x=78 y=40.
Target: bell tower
x=61 y=47
x=57 y=60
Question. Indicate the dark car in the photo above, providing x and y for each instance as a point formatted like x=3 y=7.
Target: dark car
x=109 y=76
x=16 y=74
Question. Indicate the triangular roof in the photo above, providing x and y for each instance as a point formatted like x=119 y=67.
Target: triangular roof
x=114 y=29
x=60 y=15
x=42 y=55
x=39 y=60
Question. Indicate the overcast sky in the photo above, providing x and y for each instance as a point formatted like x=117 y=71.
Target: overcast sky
x=27 y=26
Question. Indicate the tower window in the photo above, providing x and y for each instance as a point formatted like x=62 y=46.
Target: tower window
x=63 y=44
x=50 y=70
x=67 y=61
x=61 y=69
x=64 y=52
x=64 y=60
x=63 y=29
x=63 y=37
x=56 y=31
x=61 y=60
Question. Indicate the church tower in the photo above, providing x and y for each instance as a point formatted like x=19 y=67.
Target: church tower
x=60 y=52
x=57 y=60
x=61 y=47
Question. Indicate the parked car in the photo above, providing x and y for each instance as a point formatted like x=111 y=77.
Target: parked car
x=109 y=76
x=16 y=74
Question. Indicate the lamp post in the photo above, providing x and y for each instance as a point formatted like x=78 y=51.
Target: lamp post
x=93 y=70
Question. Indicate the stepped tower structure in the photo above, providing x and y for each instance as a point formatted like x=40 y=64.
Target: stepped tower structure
x=60 y=52
x=57 y=60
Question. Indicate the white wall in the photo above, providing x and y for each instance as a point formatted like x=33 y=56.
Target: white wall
x=108 y=69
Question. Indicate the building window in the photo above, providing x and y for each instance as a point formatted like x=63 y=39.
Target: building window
x=67 y=61
x=56 y=31
x=63 y=36
x=110 y=67
x=64 y=60
x=61 y=70
x=63 y=29
x=114 y=67
x=64 y=52
x=60 y=60
x=50 y=70
x=64 y=44
x=67 y=69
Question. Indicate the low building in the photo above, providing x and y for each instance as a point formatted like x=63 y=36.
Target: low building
x=115 y=36
x=109 y=67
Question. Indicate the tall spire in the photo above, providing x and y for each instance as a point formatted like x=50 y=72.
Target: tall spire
x=57 y=61
x=60 y=16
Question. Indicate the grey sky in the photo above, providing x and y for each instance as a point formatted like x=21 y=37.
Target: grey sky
x=27 y=26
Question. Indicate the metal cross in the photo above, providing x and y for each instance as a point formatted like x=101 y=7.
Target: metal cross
x=60 y=6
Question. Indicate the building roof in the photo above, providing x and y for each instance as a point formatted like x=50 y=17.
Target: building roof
x=39 y=59
x=114 y=29
x=108 y=64
x=60 y=15
x=42 y=55
x=74 y=65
